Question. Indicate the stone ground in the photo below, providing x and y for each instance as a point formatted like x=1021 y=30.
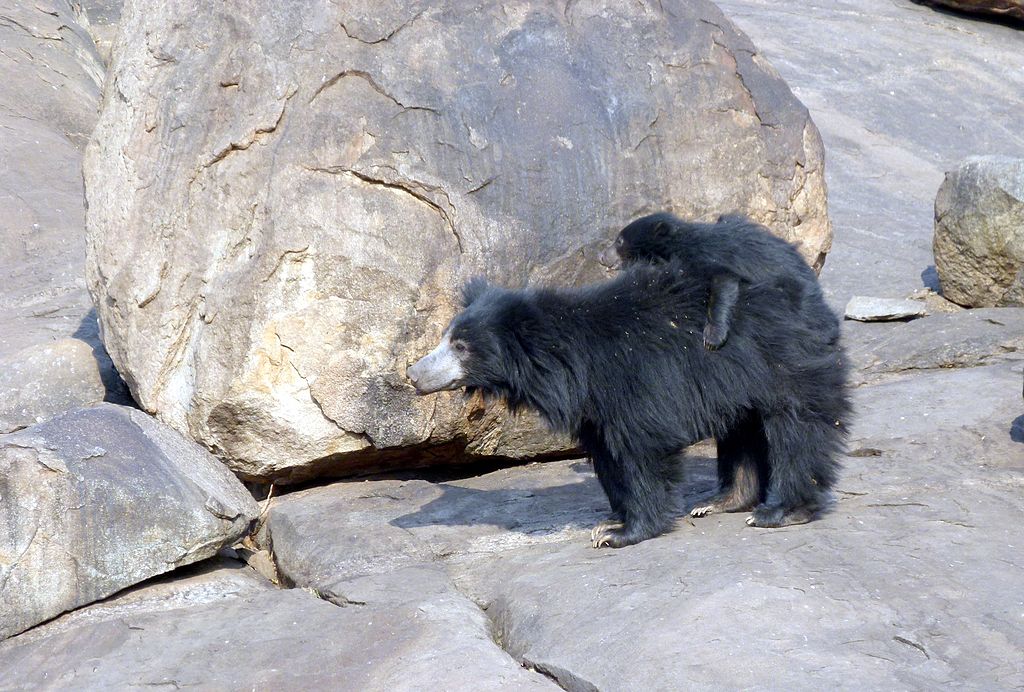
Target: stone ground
x=901 y=93
x=915 y=579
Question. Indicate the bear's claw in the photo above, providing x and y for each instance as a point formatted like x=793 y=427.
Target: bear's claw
x=601 y=529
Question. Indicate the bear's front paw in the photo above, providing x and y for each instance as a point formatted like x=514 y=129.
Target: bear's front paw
x=714 y=336
x=601 y=527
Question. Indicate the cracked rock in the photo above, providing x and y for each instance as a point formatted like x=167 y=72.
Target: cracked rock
x=99 y=499
x=273 y=245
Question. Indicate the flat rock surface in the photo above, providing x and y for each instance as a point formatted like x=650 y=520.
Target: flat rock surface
x=954 y=340
x=99 y=499
x=914 y=579
x=223 y=628
x=901 y=93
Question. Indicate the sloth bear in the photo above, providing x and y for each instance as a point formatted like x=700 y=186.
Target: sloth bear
x=731 y=253
x=621 y=366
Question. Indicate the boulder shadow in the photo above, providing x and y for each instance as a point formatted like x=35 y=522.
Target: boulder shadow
x=116 y=390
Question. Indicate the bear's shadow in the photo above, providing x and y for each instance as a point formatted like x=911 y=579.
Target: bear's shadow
x=542 y=503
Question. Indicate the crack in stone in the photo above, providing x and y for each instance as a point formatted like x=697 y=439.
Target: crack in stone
x=394 y=32
x=368 y=78
x=258 y=135
x=406 y=187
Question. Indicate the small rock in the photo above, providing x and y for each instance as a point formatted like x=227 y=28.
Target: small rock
x=868 y=309
x=99 y=499
x=979 y=233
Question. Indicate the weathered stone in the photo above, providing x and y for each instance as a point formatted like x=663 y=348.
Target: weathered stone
x=270 y=247
x=102 y=498
x=1013 y=9
x=48 y=102
x=963 y=339
x=104 y=16
x=868 y=309
x=224 y=628
x=912 y=580
x=45 y=380
x=979 y=232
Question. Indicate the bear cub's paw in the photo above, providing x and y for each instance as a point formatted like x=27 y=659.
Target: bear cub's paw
x=714 y=336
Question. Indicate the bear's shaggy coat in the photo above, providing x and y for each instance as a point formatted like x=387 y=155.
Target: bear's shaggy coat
x=622 y=367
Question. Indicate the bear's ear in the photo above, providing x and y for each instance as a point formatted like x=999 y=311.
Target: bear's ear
x=473 y=289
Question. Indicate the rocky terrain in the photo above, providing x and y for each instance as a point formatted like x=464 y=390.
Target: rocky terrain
x=481 y=575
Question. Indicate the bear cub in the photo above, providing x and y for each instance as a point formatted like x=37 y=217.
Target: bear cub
x=731 y=252
x=621 y=366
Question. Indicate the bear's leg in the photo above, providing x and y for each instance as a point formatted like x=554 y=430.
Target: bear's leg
x=646 y=495
x=742 y=468
x=801 y=454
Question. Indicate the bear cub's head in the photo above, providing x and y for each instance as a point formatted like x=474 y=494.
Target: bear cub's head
x=649 y=239
x=473 y=352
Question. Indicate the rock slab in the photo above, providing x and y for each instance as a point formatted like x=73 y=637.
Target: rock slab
x=979 y=233
x=222 y=627
x=99 y=499
x=868 y=309
x=911 y=581
x=273 y=245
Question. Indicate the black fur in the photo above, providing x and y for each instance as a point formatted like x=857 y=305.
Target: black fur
x=621 y=365
x=729 y=253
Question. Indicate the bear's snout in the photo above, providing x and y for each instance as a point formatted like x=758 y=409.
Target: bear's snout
x=437 y=371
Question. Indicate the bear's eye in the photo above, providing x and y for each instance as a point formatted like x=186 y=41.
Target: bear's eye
x=459 y=346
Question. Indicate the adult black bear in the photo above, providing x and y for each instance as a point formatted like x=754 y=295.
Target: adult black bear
x=621 y=366
x=730 y=255
x=730 y=252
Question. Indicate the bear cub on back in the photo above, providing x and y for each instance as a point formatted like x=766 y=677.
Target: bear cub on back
x=732 y=252
x=621 y=366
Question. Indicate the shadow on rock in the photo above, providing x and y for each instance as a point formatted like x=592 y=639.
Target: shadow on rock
x=547 y=506
x=1017 y=429
x=117 y=391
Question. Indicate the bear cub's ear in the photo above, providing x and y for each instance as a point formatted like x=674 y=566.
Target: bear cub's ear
x=473 y=289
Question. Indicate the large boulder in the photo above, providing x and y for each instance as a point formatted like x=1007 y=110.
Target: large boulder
x=993 y=8
x=99 y=499
x=278 y=223
x=979 y=232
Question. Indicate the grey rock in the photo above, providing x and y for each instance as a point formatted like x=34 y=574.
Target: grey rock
x=224 y=628
x=99 y=499
x=963 y=339
x=270 y=248
x=49 y=98
x=1012 y=9
x=48 y=105
x=912 y=580
x=47 y=379
x=901 y=93
x=104 y=16
x=868 y=309
x=979 y=232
